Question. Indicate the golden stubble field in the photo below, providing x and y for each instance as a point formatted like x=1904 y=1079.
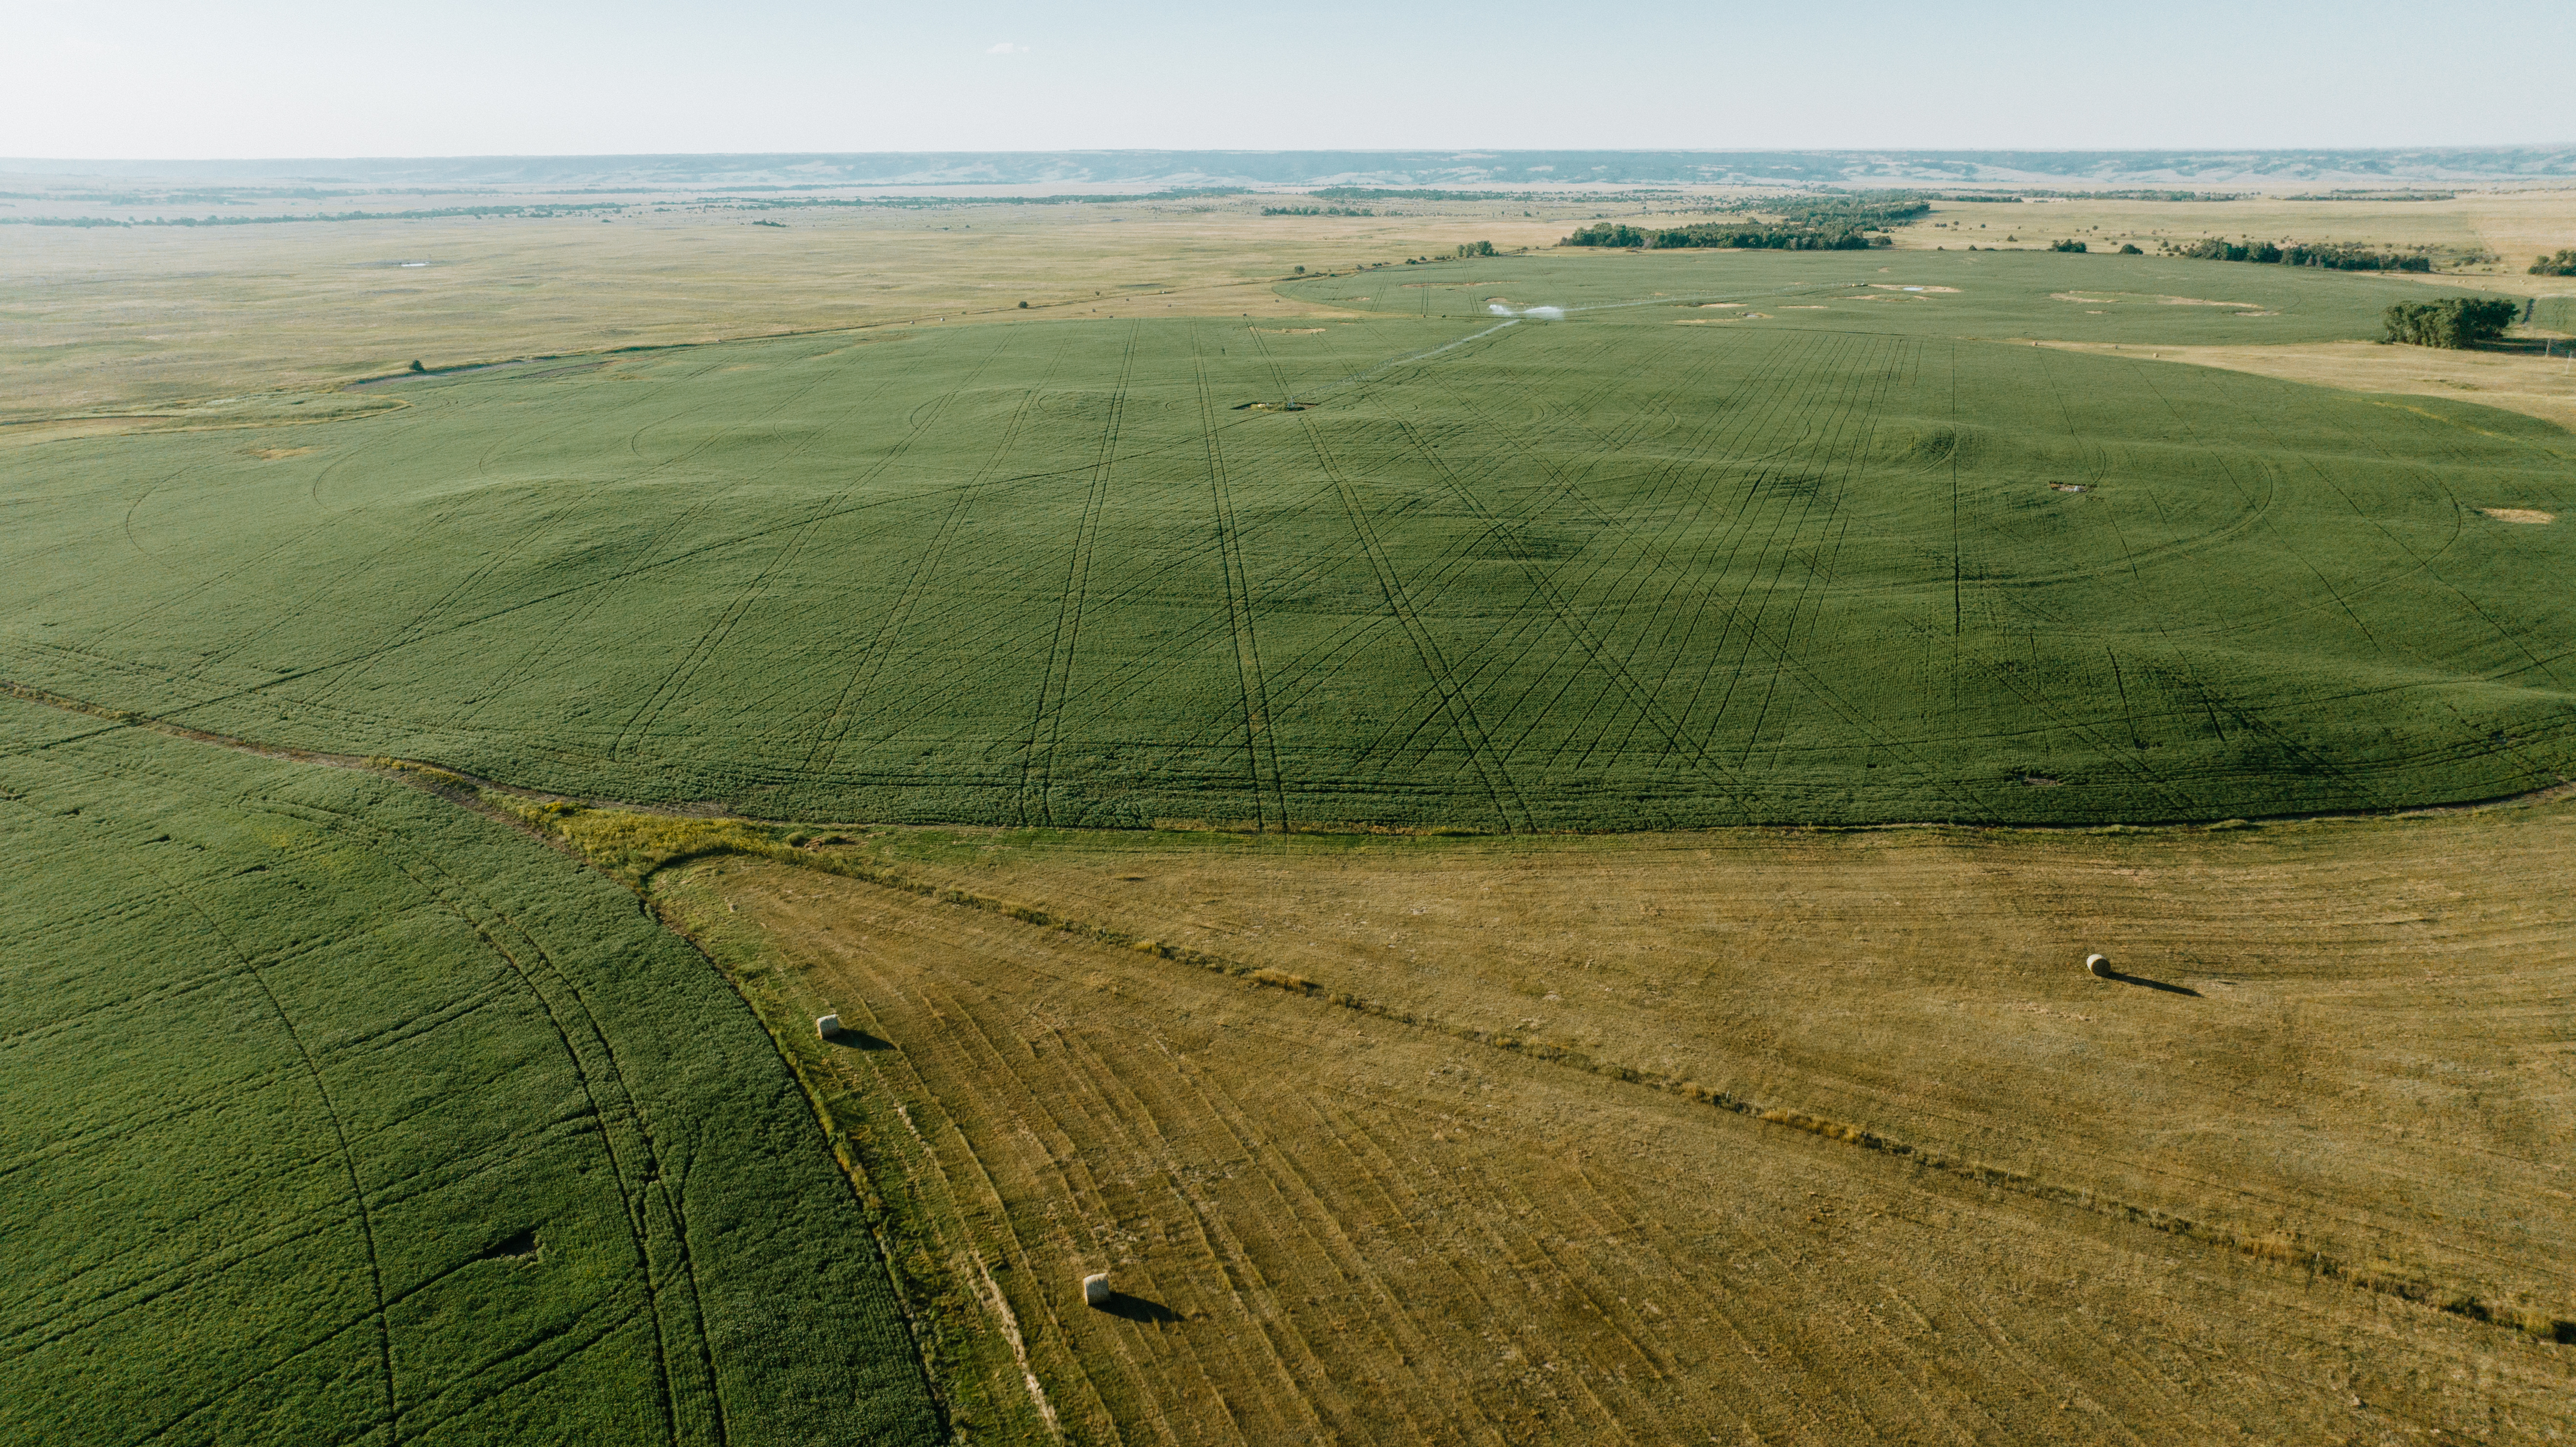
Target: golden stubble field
x=1759 y=1136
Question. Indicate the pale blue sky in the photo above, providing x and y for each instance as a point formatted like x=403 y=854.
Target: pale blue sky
x=155 y=78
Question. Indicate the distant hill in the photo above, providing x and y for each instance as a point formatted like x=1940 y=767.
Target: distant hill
x=1130 y=169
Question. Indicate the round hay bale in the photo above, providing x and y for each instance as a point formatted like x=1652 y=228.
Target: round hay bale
x=827 y=1026
x=2099 y=966
x=1095 y=1289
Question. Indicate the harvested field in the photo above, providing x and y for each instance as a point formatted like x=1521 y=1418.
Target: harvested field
x=1420 y=1140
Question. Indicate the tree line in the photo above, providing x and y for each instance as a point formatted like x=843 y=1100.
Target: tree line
x=1824 y=223
x=2331 y=255
x=2561 y=264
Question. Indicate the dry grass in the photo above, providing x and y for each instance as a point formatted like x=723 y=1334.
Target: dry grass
x=1815 y=1137
x=113 y=318
x=2513 y=226
x=2515 y=382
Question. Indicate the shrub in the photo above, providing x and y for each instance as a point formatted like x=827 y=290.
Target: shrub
x=2130 y=248
x=2561 y=264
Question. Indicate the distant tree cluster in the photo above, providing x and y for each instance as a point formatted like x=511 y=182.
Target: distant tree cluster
x=2561 y=264
x=1316 y=211
x=1475 y=248
x=2451 y=322
x=1607 y=234
x=2331 y=255
x=2066 y=246
x=1821 y=223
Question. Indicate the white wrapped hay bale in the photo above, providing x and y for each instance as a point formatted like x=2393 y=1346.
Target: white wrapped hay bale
x=827 y=1026
x=2099 y=966
x=1095 y=1289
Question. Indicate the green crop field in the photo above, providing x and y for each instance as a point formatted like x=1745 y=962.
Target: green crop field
x=330 y=1112
x=1863 y=555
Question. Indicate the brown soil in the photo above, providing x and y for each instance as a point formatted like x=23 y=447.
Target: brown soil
x=2519 y=514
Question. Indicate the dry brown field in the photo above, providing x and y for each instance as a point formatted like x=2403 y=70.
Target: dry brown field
x=2514 y=226
x=1751 y=1136
x=115 y=320
x=2536 y=386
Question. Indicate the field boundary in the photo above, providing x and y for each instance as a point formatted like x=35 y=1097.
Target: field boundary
x=634 y=857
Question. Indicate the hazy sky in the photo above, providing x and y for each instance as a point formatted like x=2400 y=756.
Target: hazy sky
x=152 y=78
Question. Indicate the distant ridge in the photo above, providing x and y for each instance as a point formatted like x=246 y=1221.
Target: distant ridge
x=1073 y=170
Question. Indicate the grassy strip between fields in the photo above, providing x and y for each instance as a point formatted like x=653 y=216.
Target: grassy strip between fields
x=634 y=847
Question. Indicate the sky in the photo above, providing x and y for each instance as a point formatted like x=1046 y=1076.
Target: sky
x=294 y=78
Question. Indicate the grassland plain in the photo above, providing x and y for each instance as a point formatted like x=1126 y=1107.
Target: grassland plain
x=120 y=322
x=1780 y=1135
x=331 y=1112
x=1865 y=557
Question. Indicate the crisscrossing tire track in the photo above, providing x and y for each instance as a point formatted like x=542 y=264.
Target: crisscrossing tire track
x=1037 y=756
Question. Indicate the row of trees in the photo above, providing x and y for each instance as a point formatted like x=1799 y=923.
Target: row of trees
x=2332 y=255
x=2451 y=322
x=1817 y=223
x=1316 y=211
x=1710 y=234
x=2562 y=264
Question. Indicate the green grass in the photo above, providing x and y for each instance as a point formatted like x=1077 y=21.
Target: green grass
x=330 y=1112
x=1603 y=573
x=1998 y=295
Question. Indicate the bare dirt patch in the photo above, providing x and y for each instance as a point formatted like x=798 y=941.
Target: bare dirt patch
x=2519 y=515
x=1290 y=331
x=273 y=454
x=2156 y=300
